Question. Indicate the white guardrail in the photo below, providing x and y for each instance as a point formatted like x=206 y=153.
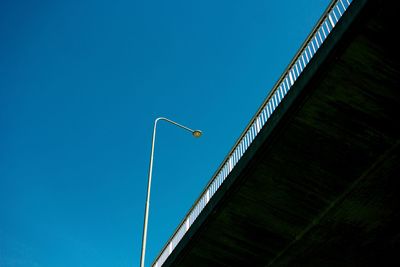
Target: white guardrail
x=324 y=26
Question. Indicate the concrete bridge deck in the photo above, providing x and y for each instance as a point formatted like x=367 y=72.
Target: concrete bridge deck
x=320 y=184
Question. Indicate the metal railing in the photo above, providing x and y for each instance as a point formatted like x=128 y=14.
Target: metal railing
x=315 y=39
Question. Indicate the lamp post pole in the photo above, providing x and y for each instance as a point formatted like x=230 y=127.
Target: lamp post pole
x=195 y=133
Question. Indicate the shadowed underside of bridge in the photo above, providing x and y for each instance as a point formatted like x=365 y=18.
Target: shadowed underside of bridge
x=319 y=186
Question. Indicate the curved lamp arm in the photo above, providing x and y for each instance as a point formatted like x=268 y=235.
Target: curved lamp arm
x=195 y=133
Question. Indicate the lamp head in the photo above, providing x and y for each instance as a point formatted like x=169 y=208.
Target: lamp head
x=197 y=133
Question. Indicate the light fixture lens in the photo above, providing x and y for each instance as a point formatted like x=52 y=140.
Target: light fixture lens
x=197 y=133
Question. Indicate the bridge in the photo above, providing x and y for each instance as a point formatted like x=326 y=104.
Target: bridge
x=314 y=180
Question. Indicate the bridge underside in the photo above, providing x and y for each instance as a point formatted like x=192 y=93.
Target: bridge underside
x=320 y=185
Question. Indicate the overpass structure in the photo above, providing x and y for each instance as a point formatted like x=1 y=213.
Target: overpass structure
x=314 y=180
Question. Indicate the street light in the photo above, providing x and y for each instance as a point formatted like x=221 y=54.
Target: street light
x=195 y=133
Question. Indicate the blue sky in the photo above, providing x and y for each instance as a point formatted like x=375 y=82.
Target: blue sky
x=81 y=83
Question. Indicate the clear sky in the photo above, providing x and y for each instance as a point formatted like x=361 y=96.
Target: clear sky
x=81 y=82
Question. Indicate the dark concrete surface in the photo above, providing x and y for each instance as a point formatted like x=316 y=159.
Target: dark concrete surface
x=320 y=185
